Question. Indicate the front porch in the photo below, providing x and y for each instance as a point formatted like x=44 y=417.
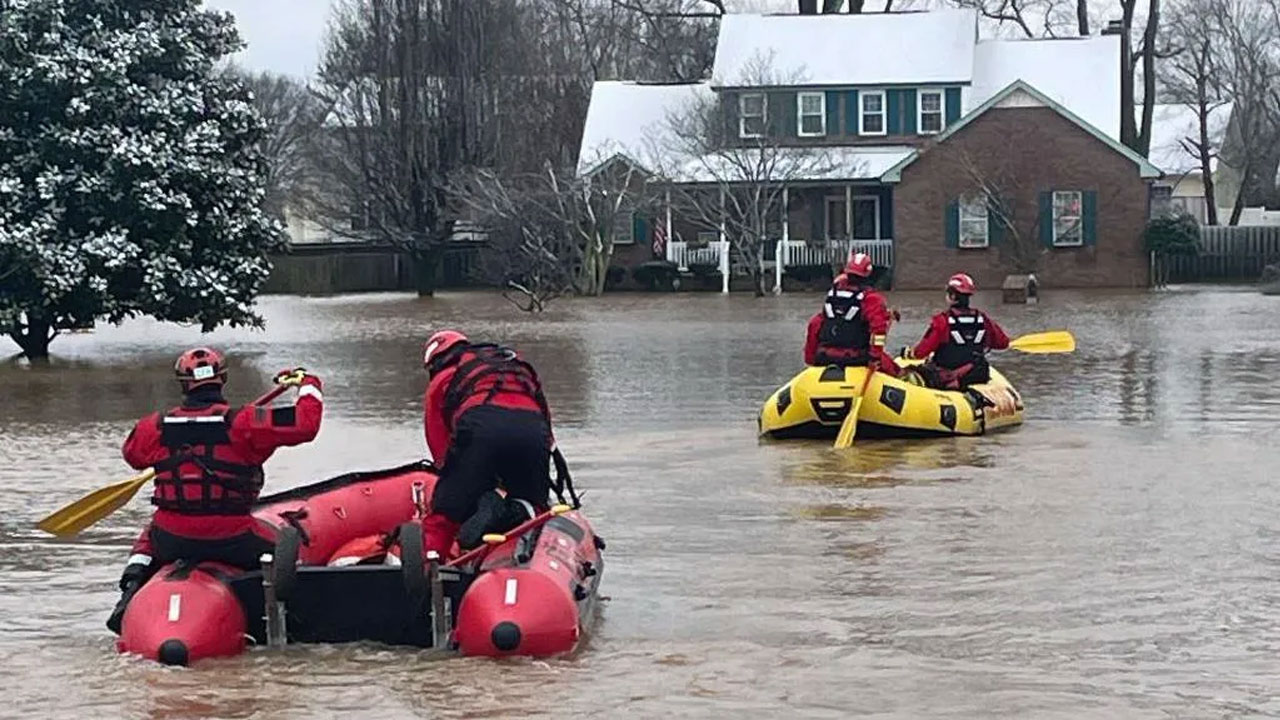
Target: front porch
x=818 y=226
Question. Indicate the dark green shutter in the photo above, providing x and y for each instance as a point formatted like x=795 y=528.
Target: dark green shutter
x=995 y=226
x=893 y=106
x=909 y=112
x=1045 y=218
x=851 y=111
x=729 y=103
x=1090 y=218
x=639 y=228
x=782 y=114
x=833 y=112
x=953 y=224
x=953 y=105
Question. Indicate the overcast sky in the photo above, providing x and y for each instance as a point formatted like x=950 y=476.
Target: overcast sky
x=283 y=35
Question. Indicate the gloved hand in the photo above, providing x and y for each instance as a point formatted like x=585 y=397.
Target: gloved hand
x=134 y=576
x=296 y=376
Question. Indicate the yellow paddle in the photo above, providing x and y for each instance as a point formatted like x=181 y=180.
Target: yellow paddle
x=91 y=508
x=849 y=428
x=1054 y=341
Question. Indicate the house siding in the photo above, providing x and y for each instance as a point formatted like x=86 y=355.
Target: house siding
x=1038 y=151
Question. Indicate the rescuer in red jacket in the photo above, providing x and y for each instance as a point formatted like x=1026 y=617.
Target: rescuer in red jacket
x=487 y=426
x=958 y=338
x=208 y=461
x=852 y=326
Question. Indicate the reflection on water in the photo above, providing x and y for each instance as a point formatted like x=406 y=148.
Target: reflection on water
x=1114 y=557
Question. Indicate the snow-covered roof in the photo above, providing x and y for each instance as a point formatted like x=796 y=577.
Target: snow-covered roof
x=1170 y=124
x=838 y=163
x=843 y=50
x=1020 y=94
x=627 y=118
x=1081 y=74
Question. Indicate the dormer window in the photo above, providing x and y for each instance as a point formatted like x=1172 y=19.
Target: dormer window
x=752 y=109
x=932 y=104
x=871 y=117
x=811 y=110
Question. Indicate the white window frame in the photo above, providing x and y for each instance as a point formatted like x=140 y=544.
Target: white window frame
x=1079 y=219
x=942 y=110
x=853 y=202
x=966 y=205
x=821 y=113
x=742 y=115
x=827 y=202
x=862 y=112
x=630 y=229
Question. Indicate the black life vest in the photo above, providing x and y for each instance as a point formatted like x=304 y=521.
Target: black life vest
x=487 y=370
x=967 y=329
x=201 y=438
x=844 y=333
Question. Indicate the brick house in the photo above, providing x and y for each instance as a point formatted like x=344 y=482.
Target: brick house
x=942 y=151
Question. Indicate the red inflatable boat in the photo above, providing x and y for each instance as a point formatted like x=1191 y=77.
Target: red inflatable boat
x=528 y=592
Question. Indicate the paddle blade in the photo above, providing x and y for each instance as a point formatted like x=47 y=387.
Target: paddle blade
x=93 y=507
x=1054 y=341
x=849 y=428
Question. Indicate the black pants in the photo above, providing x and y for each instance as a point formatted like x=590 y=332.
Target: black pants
x=940 y=378
x=492 y=447
x=241 y=550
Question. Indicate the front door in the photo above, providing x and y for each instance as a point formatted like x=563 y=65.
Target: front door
x=866 y=217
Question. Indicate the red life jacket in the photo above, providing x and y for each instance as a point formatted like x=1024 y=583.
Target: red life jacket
x=204 y=473
x=484 y=372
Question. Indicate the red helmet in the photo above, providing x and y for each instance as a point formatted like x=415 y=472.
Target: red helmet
x=859 y=264
x=439 y=344
x=200 y=366
x=961 y=284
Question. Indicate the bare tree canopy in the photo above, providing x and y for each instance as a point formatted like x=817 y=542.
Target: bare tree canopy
x=292 y=116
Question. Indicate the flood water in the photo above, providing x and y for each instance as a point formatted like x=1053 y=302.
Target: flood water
x=1113 y=557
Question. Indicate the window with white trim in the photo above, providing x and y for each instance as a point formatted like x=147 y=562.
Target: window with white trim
x=624 y=226
x=707 y=237
x=871 y=120
x=752 y=110
x=1068 y=213
x=932 y=105
x=811 y=114
x=975 y=221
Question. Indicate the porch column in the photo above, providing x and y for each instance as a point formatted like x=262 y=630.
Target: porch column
x=670 y=237
x=724 y=249
x=780 y=257
x=848 y=220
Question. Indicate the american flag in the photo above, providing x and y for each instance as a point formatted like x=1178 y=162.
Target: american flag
x=659 y=240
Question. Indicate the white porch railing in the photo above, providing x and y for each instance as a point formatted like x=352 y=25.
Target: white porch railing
x=683 y=256
x=833 y=252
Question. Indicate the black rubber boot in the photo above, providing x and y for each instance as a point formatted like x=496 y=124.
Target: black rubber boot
x=117 y=615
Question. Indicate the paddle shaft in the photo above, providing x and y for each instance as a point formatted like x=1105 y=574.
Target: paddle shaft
x=849 y=428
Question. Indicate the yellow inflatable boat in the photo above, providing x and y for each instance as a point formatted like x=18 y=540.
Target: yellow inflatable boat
x=815 y=402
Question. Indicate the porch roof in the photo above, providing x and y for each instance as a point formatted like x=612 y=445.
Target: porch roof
x=847 y=164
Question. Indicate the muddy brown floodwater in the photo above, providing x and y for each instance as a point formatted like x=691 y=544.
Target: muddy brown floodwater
x=1113 y=557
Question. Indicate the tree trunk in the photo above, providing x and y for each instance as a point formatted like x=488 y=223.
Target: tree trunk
x=1082 y=17
x=1148 y=77
x=34 y=339
x=1206 y=171
x=1128 y=124
x=1238 y=207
